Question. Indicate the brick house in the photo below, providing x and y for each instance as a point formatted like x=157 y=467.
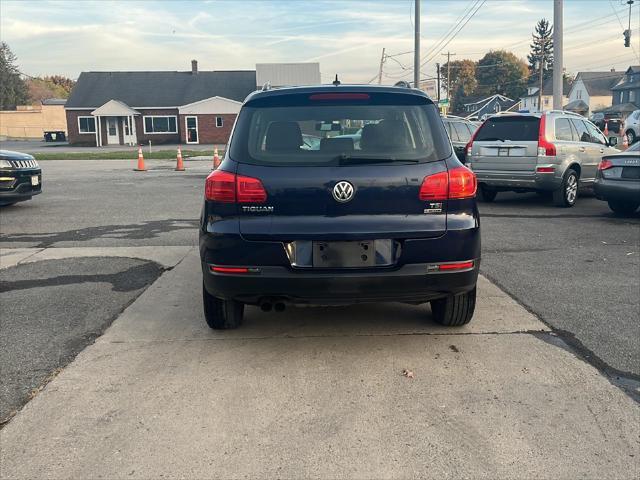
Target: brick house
x=128 y=108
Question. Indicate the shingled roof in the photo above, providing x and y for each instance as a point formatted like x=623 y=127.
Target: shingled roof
x=159 y=89
x=599 y=84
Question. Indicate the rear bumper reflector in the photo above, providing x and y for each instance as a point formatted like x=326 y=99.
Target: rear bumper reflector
x=232 y=270
x=450 y=267
x=545 y=169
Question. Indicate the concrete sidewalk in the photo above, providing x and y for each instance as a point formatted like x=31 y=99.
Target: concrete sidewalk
x=318 y=392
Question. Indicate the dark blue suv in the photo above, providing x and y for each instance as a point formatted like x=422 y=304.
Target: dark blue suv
x=392 y=217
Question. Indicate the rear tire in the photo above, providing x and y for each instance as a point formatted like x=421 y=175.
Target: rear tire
x=221 y=314
x=455 y=310
x=567 y=194
x=624 y=208
x=487 y=194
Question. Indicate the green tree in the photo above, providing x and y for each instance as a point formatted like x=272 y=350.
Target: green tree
x=463 y=80
x=541 y=49
x=13 y=90
x=501 y=72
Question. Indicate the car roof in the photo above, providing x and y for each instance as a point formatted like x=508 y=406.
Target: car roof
x=275 y=92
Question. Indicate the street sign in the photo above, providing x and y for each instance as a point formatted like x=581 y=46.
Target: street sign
x=444 y=102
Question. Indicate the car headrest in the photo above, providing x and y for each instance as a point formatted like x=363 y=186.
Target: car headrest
x=385 y=136
x=283 y=136
x=337 y=145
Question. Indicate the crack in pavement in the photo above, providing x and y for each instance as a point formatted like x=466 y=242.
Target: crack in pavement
x=128 y=280
x=136 y=231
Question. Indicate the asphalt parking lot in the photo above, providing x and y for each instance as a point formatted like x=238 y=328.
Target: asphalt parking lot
x=288 y=392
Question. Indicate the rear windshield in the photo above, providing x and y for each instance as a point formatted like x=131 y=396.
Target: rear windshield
x=302 y=130
x=515 y=128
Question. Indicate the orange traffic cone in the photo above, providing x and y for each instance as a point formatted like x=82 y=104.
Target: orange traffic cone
x=216 y=159
x=625 y=140
x=141 y=167
x=179 y=164
x=606 y=129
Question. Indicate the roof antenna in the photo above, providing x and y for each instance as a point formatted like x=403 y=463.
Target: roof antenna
x=336 y=82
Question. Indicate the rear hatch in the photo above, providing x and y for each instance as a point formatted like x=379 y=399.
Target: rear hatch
x=339 y=189
x=507 y=143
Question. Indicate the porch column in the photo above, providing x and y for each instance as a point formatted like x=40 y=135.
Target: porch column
x=95 y=120
x=99 y=132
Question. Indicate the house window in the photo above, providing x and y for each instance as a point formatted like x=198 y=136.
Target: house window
x=546 y=101
x=86 y=125
x=632 y=96
x=621 y=94
x=219 y=122
x=160 y=124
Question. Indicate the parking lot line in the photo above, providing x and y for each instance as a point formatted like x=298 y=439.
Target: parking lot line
x=318 y=392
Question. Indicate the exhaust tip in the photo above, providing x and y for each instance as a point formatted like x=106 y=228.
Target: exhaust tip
x=265 y=306
x=279 y=307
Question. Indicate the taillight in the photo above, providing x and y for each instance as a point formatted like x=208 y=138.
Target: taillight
x=456 y=183
x=469 y=147
x=220 y=186
x=462 y=183
x=605 y=164
x=435 y=187
x=250 y=190
x=545 y=147
x=226 y=187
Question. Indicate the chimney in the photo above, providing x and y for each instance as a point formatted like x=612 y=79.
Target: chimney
x=194 y=67
x=613 y=69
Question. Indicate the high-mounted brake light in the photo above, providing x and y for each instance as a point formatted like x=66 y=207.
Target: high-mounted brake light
x=339 y=96
x=545 y=147
x=226 y=187
x=605 y=164
x=457 y=183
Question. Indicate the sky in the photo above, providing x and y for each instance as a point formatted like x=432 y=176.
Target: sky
x=346 y=37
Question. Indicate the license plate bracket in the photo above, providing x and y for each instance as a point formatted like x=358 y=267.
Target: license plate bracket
x=358 y=254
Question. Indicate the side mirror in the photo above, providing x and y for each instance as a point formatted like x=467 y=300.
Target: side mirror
x=613 y=141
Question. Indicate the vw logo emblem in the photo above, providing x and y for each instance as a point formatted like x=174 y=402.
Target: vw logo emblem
x=343 y=191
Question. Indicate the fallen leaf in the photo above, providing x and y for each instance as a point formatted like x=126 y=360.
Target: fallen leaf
x=407 y=373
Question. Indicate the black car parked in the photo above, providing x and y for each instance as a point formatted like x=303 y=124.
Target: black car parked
x=618 y=180
x=20 y=177
x=460 y=131
x=393 y=218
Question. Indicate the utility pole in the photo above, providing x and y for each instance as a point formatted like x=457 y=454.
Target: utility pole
x=558 y=70
x=438 y=80
x=416 y=50
x=541 y=75
x=449 y=55
x=380 y=71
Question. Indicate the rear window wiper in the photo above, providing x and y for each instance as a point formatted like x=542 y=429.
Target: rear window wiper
x=354 y=160
x=490 y=139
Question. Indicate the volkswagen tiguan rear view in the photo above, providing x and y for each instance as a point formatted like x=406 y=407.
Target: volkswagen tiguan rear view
x=392 y=217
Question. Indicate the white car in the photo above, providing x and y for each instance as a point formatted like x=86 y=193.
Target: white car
x=631 y=127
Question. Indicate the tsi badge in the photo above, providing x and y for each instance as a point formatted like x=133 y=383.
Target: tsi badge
x=257 y=209
x=433 y=207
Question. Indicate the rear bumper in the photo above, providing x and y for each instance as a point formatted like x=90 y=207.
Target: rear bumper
x=410 y=283
x=510 y=180
x=624 y=190
x=410 y=280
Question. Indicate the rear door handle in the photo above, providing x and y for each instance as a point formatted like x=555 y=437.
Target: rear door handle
x=581 y=149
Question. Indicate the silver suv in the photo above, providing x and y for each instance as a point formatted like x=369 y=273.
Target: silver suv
x=631 y=127
x=552 y=151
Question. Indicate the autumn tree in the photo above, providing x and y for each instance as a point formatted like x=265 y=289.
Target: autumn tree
x=541 y=50
x=501 y=72
x=55 y=86
x=13 y=90
x=462 y=83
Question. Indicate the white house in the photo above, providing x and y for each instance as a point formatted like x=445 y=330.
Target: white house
x=530 y=100
x=591 y=91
